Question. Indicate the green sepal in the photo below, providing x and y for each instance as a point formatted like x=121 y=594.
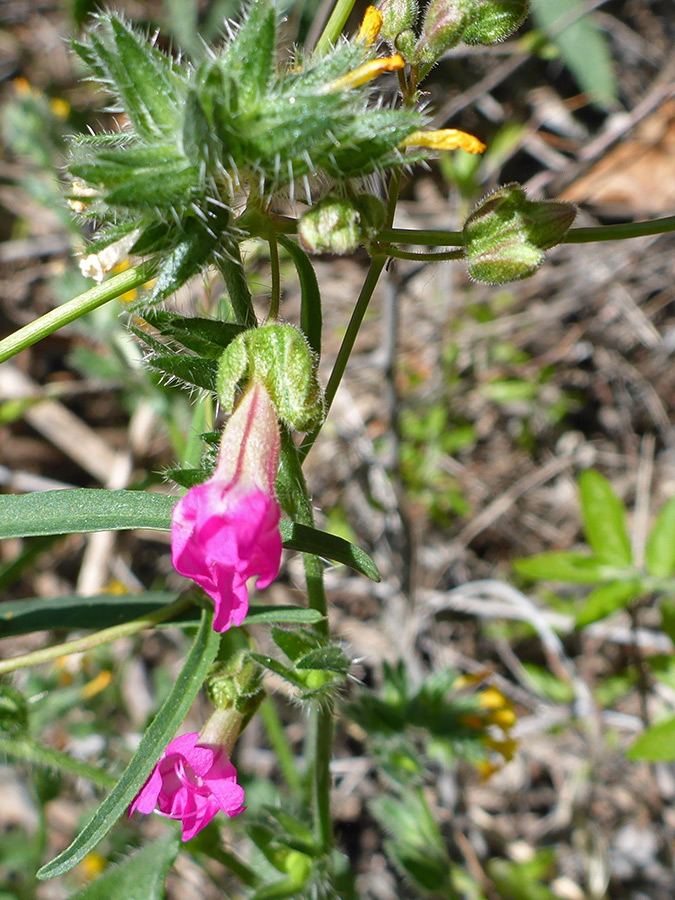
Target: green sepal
x=506 y=235
x=494 y=20
x=444 y=24
x=280 y=357
x=397 y=16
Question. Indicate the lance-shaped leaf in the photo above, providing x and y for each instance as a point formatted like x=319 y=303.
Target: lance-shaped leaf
x=161 y=730
x=660 y=550
x=656 y=744
x=607 y=599
x=82 y=510
x=604 y=518
x=573 y=567
x=310 y=304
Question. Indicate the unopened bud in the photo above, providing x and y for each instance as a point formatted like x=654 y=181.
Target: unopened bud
x=279 y=357
x=444 y=25
x=495 y=20
x=506 y=235
x=339 y=225
x=397 y=16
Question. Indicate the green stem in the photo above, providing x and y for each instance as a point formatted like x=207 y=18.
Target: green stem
x=623 y=231
x=396 y=253
x=28 y=750
x=275 y=299
x=377 y=263
x=334 y=26
x=94 y=640
x=277 y=738
x=619 y=232
x=295 y=499
x=73 y=309
x=232 y=270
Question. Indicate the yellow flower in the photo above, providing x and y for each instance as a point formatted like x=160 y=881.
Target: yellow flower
x=370 y=26
x=364 y=73
x=445 y=139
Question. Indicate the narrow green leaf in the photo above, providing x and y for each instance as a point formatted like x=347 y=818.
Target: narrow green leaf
x=161 y=730
x=189 y=370
x=583 y=46
x=82 y=510
x=656 y=744
x=607 y=599
x=140 y=877
x=105 y=610
x=320 y=543
x=288 y=615
x=310 y=308
x=604 y=518
x=210 y=332
x=99 y=611
x=660 y=550
x=330 y=659
x=573 y=567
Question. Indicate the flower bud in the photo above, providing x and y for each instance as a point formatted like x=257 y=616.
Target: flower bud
x=506 y=235
x=495 y=20
x=279 y=357
x=443 y=27
x=339 y=225
x=397 y=16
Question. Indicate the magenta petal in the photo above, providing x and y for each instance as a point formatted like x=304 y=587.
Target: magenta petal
x=221 y=537
x=191 y=783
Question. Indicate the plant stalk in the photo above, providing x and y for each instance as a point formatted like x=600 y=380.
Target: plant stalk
x=81 y=645
x=56 y=318
x=619 y=232
x=334 y=25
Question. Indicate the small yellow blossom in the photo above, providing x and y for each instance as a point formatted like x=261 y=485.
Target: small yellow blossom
x=445 y=139
x=92 y=866
x=370 y=26
x=492 y=698
x=60 y=107
x=96 y=685
x=364 y=73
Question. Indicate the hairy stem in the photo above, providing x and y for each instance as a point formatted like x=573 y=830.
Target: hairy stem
x=56 y=318
x=95 y=640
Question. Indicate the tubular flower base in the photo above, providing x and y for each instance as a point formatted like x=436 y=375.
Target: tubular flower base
x=226 y=530
x=191 y=782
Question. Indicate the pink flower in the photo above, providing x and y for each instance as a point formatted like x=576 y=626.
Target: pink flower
x=191 y=782
x=226 y=530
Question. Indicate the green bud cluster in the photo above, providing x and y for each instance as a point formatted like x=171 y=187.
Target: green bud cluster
x=339 y=225
x=197 y=136
x=446 y=23
x=280 y=357
x=506 y=234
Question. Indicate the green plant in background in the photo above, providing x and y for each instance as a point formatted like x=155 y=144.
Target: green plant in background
x=218 y=150
x=618 y=581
